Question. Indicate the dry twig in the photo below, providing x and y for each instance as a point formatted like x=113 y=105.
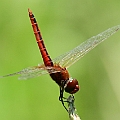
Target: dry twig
x=72 y=109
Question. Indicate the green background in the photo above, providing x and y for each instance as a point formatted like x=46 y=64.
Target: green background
x=64 y=25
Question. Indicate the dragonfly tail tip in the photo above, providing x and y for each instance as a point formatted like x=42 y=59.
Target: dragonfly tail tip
x=29 y=10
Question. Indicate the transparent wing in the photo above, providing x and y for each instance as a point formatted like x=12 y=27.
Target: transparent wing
x=32 y=72
x=69 y=58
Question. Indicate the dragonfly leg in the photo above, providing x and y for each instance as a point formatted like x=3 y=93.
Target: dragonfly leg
x=61 y=98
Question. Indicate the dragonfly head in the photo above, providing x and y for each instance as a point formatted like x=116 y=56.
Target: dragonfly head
x=72 y=86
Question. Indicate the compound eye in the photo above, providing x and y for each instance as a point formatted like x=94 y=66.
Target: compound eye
x=72 y=86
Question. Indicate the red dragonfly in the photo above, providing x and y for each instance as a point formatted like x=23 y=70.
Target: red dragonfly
x=57 y=68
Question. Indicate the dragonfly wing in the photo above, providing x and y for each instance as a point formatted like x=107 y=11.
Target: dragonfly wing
x=69 y=58
x=29 y=72
x=32 y=72
x=37 y=71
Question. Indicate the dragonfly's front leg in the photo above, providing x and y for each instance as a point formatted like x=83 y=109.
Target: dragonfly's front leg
x=61 y=98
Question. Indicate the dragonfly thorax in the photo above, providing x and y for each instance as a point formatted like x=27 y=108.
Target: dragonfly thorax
x=71 y=86
x=61 y=76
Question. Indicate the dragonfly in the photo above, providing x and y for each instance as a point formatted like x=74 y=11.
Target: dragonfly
x=57 y=68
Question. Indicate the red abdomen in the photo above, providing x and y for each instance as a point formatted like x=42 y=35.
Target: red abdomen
x=46 y=58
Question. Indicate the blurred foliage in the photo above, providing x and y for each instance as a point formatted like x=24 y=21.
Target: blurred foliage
x=64 y=25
